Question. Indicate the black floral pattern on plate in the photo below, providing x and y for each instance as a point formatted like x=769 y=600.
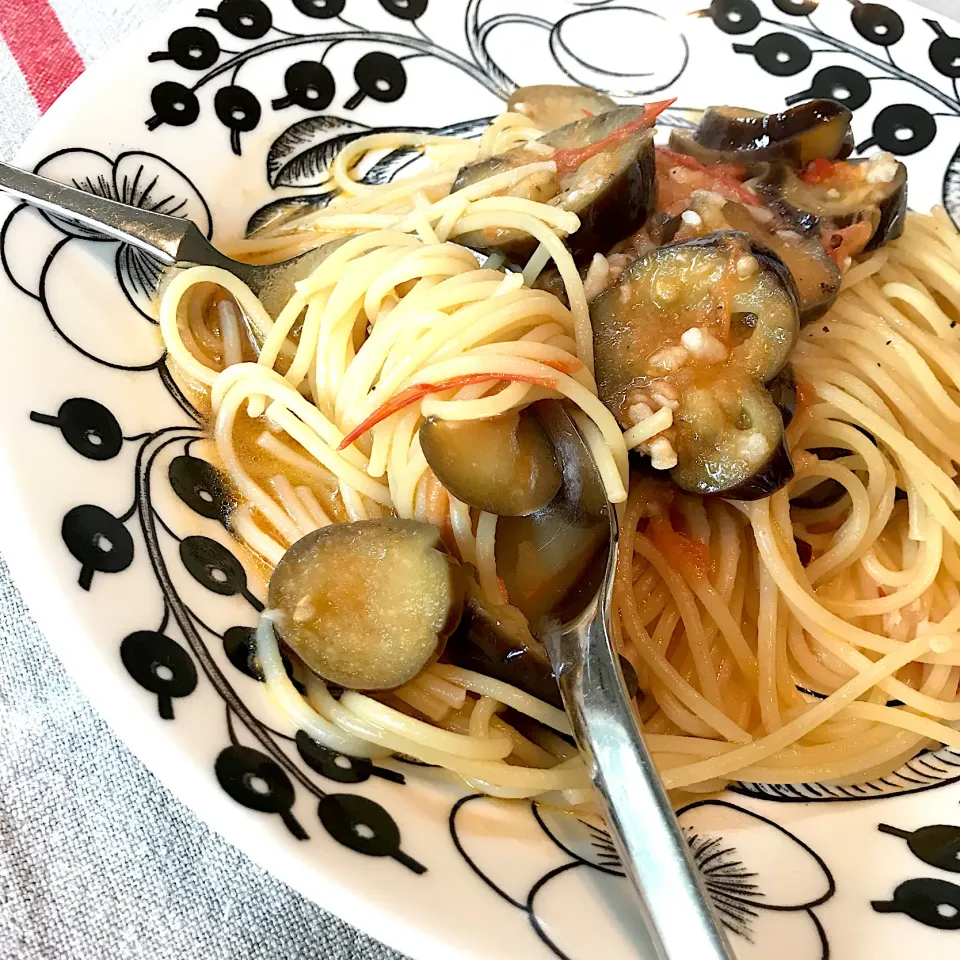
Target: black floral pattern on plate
x=789 y=47
x=757 y=873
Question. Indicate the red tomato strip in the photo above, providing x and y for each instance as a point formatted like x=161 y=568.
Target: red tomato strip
x=721 y=176
x=568 y=161
x=418 y=391
x=847 y=241
x=816 y=171
x=690 y=558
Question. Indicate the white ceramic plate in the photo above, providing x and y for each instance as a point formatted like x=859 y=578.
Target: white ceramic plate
x=113 y=534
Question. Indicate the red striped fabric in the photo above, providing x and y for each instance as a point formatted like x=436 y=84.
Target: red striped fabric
x=41 y=47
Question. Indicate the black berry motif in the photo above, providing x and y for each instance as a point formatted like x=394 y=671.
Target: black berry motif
x=238 y=110
x=159 y=665
x=944 y=51
x=843 y=84
x=213 y=566
x=247 y=19
x=254 y=780
x=198 y=484
x=173 y=103
x=192 y=48
x=380 y=76
x=903 y=129
x=240 y=646
x=89 y=427
x=309 y=85
x=405 y=9
x=338 y=766
x=320 y=9
x=364 y=826
x=938 y=845
x=98 y=540
x=796 y=8
x=877 y=24
x=934 y=903
x=734 y=16
x=781 y=54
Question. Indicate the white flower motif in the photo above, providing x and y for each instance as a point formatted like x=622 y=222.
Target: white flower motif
x=86 y=283
x=764 y=882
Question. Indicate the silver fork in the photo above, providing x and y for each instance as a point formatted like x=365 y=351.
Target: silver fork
x=174 y=241
x=675 y=905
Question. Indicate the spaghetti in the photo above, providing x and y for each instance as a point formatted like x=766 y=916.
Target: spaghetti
x=780 y=640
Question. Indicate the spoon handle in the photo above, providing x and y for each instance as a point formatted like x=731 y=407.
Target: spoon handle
x=156 y=233
x=676 y=906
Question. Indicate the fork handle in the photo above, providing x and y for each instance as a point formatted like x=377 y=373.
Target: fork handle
x=676 y=906
x=156 y=233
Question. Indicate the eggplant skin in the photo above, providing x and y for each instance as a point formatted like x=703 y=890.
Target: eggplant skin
x=805 y=258
x=482 y=643
x=775 y=474
x=893 y=216
x=808 y=131
x=612 y=203
x=783 y=392
x=889 y=214
x=619 y=210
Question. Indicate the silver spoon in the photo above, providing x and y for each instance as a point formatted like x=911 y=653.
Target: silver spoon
x=172 y=240
x=675 y=905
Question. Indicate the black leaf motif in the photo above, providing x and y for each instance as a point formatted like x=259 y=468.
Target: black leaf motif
x=302 y=154
x=278 y=212
x=951 y=188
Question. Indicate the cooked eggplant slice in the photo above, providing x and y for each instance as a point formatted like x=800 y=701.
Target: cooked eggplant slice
x=497 y=641
x=808 y=131
x=687 y=308
x=613 y=191
x=504 y=465
x=729 y=440
x=552 y=105
x=544 y=556
x=367 y=605
x=834 y=195
x=783 y=392
x=816 y=275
